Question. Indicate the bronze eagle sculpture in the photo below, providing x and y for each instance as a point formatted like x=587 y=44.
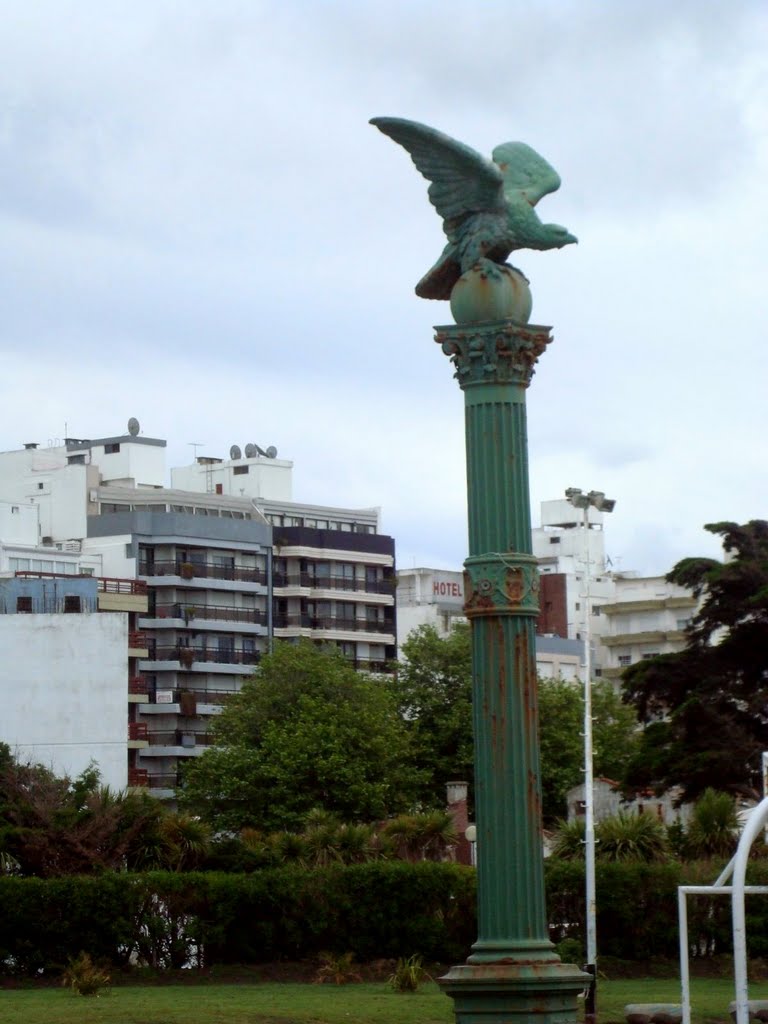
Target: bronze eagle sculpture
x=487 y=206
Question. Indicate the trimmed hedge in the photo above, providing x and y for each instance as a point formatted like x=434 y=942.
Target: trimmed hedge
x=382 y=909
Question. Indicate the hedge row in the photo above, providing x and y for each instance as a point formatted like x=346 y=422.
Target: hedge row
x=382 y=909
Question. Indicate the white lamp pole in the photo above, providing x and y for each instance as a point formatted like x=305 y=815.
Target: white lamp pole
x=598 y=500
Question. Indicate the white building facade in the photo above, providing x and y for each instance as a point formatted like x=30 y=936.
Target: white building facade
x=64 y=685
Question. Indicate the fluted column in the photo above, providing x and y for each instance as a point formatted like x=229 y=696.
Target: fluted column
x=513 y=969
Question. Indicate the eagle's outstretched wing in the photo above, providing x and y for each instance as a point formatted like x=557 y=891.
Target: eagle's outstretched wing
x=526 y=174
x=462 y=181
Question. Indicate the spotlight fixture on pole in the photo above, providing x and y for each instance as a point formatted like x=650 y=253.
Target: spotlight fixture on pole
x=596 y=500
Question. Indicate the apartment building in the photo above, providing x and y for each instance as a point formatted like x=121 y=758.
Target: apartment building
x=226 y=562
x=647 y=617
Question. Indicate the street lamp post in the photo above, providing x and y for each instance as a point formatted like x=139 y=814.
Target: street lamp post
x=597 y=500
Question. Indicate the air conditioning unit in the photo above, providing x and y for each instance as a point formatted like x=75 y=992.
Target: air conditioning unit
x=187 y=739
x=164 y=697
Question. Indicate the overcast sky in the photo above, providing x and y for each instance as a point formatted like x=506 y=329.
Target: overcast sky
x=199 y=228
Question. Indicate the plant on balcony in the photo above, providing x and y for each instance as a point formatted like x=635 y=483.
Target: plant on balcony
x=186 y=657
x=187 y=571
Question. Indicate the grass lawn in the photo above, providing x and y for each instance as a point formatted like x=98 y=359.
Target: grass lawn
x=284 y=1003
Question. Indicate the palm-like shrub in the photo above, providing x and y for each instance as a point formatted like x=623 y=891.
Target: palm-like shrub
x=713 y=828
x=568 y=842
x=618 y=838
x=631 y=837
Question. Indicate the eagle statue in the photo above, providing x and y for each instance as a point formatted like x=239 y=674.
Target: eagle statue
x=487 y=206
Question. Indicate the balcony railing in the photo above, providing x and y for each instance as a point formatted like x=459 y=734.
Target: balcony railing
x=204 y=570
x=136 y=639
x=163 y=780
x=337 y=622
x=188 y=612
x=179 y=738
x=376 y=667
x=193 y=654
x=315 y=582
x=138 y=777
x=105 y=584
x=137 y=731
x=137 y=684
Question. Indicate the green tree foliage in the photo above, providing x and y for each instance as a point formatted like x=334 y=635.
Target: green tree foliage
x=433 y=689
x=434 y=694
x=561 y=729
x=306 y=731
x=707 y=706
x=51 y=825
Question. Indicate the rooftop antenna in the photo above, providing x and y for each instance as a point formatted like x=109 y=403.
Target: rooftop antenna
x=195 y=445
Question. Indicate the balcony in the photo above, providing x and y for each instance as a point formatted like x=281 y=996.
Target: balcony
x=180 y=738
x=188 y=612
x=105 y=584
x=189 y=655
x=137 y=731
x=138 y=777
x=315 y=582
x=137 y=684
x=163 y=780
x=377 y=668
x=333 y=622
x=204 y=570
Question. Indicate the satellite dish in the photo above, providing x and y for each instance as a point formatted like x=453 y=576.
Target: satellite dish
x=271 y=452
x=133 y=426
x=250 y=451
x=235 y=453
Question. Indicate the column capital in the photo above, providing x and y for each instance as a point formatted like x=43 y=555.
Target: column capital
x=494 y=351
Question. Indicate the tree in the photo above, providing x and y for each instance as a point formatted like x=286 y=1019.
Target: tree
x=706 y=707
x=305 y=731
x=51 y=825
x=433 y=689
x=434 y=694
x=561 y=739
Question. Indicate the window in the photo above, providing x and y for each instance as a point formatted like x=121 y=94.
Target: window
x=597 y=609
x=219 y=488
x=577 y=606
x=683 y=623
x=111 y=449
x=239 y=470
x=624 y=660
x=651 y=654
x=23 y=604
x=554 y=540
x=71 y=603
x=40 y=486
x=14 y=510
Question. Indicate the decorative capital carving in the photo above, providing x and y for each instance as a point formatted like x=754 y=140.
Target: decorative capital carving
x=493 y=352
x=501 y=584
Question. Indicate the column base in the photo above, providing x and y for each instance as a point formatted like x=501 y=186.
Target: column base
x=505 y=992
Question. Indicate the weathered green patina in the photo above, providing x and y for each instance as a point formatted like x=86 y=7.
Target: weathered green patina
x=513 y=972
x=487 y=206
